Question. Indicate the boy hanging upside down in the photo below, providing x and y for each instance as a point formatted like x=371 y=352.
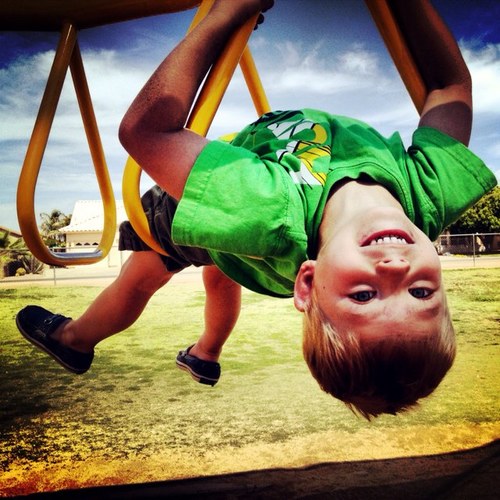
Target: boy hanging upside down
x=301 y=203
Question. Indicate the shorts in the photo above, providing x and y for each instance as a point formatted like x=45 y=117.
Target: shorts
x=160 y=208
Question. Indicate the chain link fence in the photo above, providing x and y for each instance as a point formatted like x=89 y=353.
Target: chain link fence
x=21 y=265
x=468 y=244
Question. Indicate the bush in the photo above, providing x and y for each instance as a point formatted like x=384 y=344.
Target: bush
x=10 y=268
x=22 y=265
x=31 y=264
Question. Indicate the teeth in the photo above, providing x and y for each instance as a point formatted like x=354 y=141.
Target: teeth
x=384 y=240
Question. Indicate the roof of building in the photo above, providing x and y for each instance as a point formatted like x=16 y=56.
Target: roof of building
x=13 y=233
x=88 y=216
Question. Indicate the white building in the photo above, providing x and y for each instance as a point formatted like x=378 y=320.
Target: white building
x=85 y=230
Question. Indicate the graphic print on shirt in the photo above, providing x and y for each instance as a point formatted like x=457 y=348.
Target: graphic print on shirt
x=308 y=152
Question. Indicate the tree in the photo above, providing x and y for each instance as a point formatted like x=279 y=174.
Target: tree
x=51 y=225
x=4 y=241
x=483 y=217
x=15 y=256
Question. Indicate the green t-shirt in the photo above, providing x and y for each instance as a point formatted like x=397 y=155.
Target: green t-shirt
x=256 y=203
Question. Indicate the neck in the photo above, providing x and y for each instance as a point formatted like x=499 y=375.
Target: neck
x=353 y=199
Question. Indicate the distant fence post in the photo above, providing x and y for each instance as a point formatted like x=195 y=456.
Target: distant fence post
x=474 y=249
x=461 y=244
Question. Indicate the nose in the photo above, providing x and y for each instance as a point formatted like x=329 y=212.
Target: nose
x=393 y=265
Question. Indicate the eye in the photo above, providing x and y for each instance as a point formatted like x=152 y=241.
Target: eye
x=363 y=296
x=421 y=293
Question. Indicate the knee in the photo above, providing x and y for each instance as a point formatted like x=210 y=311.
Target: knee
x=150 y=287
x=151 y=283
x=214 y=279
x=144 y=273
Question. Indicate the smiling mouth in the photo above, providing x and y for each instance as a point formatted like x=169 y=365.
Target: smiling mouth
x=389 y=237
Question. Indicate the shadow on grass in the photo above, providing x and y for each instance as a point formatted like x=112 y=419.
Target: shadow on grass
x=463 y=474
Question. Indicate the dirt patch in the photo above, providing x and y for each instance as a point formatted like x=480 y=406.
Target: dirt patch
x=328 y=447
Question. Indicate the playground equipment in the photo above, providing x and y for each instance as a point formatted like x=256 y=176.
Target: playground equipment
x=69 y=16
x=202 y=114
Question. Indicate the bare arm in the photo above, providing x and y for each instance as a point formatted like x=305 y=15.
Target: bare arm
x=448 y=106
x=152 y=130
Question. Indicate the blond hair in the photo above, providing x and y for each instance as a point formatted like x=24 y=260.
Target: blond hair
x=387 y=376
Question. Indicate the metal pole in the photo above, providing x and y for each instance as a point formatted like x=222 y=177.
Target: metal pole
x=474 y=250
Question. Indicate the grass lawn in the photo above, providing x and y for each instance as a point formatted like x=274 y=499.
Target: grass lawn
x=135 y=417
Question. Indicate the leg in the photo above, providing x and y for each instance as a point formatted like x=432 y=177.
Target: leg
x=222 y=308
x=119 y=305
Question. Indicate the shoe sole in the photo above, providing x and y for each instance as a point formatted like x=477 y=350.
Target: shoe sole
x=199 y=378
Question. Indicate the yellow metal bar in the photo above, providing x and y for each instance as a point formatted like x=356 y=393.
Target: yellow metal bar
x=254 y=83
x=97 y=154
x=37 y=144
x=218 y=80
x=202 y=114
x=133 y=206
x=201 y=12
x=35 y=152
x=399 y=51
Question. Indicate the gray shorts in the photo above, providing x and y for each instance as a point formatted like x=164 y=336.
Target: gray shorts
x=160 y=208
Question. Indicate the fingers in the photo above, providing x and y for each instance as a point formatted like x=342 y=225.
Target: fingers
x=260 y=20
x=266 y=5
x=239 y=11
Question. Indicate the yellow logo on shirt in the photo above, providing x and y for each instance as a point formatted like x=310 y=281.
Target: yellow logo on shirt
x=308 y=152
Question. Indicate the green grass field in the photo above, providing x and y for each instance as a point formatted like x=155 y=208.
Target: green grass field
x=135 y=417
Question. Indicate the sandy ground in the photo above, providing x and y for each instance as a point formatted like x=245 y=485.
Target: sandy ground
x=397 y=467
x=418 y=459
x=470 y=474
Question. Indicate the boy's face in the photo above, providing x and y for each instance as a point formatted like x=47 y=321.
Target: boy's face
x=378 y=274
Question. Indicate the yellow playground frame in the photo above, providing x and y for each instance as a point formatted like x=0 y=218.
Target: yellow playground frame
x=68 y=17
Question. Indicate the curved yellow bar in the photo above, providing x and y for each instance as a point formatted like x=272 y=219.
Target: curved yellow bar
x=218 y=80
x=399 y=51
x=133 y=206
x=67 y=54
x=202 y=114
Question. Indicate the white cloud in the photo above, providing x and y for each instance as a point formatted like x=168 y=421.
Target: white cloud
x=359 y=61
x=355 y=81
x=484 y=65
x=312 y=72
x=67 y=172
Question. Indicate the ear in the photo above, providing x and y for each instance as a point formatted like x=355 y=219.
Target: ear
x=304 y=285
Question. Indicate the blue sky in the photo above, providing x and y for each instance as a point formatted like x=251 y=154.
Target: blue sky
x=310 y=53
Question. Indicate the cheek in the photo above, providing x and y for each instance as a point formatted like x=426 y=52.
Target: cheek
x=344 y=269
x=337 y=268
x=335 y=277
x=431 y=261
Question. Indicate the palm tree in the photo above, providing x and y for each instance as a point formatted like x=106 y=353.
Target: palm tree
x=51 y=225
